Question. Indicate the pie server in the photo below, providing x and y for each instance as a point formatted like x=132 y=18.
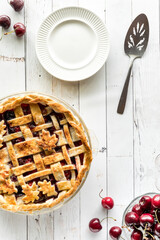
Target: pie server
x=134 y=46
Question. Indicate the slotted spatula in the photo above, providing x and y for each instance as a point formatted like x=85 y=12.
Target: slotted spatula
x=135 y=45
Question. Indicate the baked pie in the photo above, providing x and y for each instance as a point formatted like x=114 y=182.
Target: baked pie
x=44 y=153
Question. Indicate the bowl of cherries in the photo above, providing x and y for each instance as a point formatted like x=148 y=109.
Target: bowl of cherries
x=141 y=219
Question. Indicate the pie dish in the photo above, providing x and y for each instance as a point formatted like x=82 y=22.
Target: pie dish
x=44 y=153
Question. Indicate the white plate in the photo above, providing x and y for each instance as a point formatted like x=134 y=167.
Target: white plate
x=72 y=43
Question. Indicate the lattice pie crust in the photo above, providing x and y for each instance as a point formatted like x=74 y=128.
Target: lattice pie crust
x=44 y=153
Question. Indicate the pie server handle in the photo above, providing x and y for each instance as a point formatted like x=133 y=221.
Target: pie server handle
x=123 y=98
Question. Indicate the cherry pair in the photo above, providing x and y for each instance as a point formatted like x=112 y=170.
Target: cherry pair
x=19 y=28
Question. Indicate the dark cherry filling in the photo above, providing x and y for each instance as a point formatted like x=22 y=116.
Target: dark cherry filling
x=3 y=145
x=60 y=116
x=43 y=154
x=25 y=160
x=51 y=130
x=18 y=140
x=47 y=119
x=8 y=115
x=73 y=160
x=68 y=174
x=52 y=179
x=63 y=162
x=42 y=107
x=31 y=125
x=26 y=108
x=58 y=149
x=1 y=117
x=13 y=129
x=19 y=192
x=35 y=134
x=13 y=178
x=78 y=143
x=81 y=158
x=30 y=172
x=42 y=198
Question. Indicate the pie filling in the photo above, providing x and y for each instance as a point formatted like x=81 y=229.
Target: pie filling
x=40 y=154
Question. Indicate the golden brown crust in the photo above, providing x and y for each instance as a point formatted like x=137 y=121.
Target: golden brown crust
x=33 y=99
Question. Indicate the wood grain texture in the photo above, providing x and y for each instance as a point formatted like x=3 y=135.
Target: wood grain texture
x=146 y=98
x=12 y=80
x=120 y=127
x=37 y=79
x=67 y=219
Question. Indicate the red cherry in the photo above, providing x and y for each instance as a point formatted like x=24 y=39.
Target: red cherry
x=5 y=21
x=107 y=202
x=136 y=235
x=19 y=29
x=115 y=232
x=156 y=201
x=95 y=225
x=132 y=219
x=146 y=219
x=137 y=209
x=145 y=202
x=157 y=229
x=17 y=5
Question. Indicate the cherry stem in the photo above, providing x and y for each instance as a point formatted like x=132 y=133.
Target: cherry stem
x=136 y=228
x=150 y=234
x=7 y=33
x=157 y=216
x=122 y=238
x=100 y=193
x=127 y=228
x=106 y=218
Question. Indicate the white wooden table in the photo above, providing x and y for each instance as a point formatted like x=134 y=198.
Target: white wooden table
x=128 y=145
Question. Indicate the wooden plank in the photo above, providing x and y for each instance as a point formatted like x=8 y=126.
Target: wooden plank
x=146 y=98
x=93 y=111
x=119 y=127
x=66 y=219
x=12 y=79
x=37 y=79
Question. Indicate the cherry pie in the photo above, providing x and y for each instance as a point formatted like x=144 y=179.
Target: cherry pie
x=44 y=153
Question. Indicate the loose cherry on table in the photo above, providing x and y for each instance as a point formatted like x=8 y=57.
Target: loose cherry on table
x=5 y=21
x=107 y=202
x=95 y=224
x=19 y=30
x=115 y=232
x=17 y=5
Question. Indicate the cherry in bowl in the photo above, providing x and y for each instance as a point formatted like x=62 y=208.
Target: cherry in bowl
x=143 y=208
